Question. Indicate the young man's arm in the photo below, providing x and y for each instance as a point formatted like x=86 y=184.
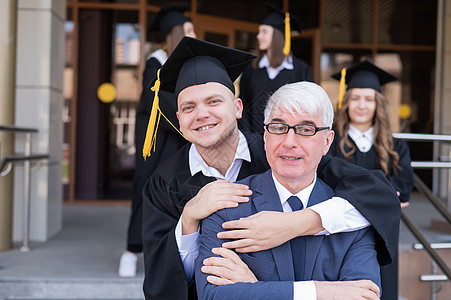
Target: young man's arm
x=371 y=199
x=170 y=245
x=164 y=273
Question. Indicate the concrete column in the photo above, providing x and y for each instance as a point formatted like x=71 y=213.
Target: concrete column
x=39 y=104
x=8 y=11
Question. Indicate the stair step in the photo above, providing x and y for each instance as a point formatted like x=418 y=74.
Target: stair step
x=68 y=289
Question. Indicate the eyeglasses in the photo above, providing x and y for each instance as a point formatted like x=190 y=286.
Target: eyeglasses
x=301 y=129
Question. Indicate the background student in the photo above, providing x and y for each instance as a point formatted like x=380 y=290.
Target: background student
x=363 y=137
x=275 y=66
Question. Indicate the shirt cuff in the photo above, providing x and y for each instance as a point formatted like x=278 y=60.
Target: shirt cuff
x=185 y=243
x=338 y=215
x=188 y=249
x=304 y=290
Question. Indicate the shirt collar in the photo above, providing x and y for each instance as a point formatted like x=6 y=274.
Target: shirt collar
x=198 y=164
x=284 y=194
x=363 y=140
x=160 y=55
x=273 y=72
x=356 y=134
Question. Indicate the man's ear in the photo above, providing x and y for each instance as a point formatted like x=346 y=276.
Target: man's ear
x=177 y=114
x=329 y=139
x=239 y=108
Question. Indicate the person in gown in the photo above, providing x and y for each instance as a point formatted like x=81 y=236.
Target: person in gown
x=275 y=66
x=172 y=25
x=363 y=137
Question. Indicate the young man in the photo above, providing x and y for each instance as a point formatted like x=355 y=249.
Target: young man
x=298 y=134
x=185 y=189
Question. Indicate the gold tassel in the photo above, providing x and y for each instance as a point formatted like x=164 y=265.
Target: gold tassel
x=342 y=87
x=287 y=47
x=152 y=127
x=154 y=121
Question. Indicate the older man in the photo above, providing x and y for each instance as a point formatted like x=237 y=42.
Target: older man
x=298 y=134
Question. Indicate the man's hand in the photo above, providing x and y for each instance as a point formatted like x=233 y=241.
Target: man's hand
x=347 y=290
x=269 y=229
x=227 y=269
x=211 y=198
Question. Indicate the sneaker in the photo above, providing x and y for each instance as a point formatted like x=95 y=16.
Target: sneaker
x=127 y=264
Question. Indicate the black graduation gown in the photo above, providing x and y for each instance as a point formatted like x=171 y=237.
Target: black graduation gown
x=165 y=196
x=403 y=182
x=168 y=143
x=256 y=87
x=172 y=185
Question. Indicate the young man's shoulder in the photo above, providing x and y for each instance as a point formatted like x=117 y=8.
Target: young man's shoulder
x=175 y=166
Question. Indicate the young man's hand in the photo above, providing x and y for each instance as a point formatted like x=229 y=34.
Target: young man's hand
x=212 y=197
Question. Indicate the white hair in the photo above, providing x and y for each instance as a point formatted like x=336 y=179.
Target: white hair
x=302 y=97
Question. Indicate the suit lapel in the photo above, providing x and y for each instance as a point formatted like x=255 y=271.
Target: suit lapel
x=266 y=199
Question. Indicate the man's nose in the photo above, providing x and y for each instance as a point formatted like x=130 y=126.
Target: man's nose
x=290 y=138
x=202 y=112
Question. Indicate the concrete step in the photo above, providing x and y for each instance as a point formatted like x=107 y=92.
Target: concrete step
x=67 y=289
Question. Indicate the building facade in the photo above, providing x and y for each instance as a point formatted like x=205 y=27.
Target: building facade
x=66 y=49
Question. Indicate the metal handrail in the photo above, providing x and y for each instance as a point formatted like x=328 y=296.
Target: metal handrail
x=16 y=158
x=433 y=246
x=422 y=239
x=430 y=164
x=434 y=200
x=421 y=186
x=26 y=158
x=421 y=137
x=11 y=128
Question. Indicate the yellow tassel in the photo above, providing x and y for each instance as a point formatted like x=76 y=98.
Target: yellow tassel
x=154 y=121
x=342 y=87
x=287 y=47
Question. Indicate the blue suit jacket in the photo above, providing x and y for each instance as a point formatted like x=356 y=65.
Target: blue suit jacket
x=342 y=256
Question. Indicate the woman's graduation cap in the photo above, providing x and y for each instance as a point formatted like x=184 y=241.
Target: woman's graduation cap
x=191 y=63
x=167 y=18
x=362 y=75
x=282 y=21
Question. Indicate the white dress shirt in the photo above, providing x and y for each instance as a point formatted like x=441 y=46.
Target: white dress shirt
x=187 y=244
x=363 y=140
x=160 y=55
x=303 y=290
x=273 y=72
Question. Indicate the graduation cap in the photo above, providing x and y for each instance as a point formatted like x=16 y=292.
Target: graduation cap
x=191 y=63
x=167 y=18
x=362 y=75
x=282 y=21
